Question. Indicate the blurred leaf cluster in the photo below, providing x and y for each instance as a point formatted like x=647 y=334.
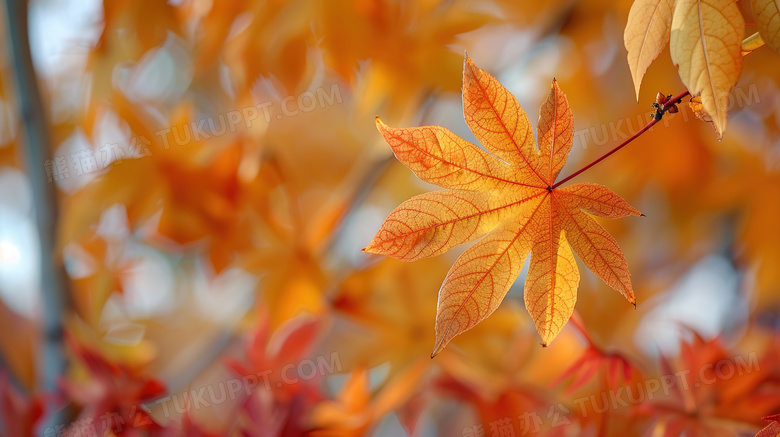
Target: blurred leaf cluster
x=219 y=171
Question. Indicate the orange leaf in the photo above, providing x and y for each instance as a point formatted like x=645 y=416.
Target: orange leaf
x=506 y=195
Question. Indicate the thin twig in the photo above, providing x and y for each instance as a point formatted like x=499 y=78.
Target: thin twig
x=37 y=152
x=749 y=44
x=661 y=111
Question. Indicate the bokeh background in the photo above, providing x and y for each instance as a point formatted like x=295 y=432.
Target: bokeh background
x=218 y=171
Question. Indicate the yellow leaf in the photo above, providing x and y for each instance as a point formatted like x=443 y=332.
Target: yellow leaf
x=767 y=14
x=706 y=46
x=646 y=35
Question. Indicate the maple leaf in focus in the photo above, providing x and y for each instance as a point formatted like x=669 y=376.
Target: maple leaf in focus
x=507 y=195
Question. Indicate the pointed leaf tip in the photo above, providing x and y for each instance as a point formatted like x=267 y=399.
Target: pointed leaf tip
x=441 y=343
x=380 y=125
x=372 y=249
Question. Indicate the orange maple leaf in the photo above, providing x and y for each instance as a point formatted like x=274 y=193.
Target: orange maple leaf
x=507 y=194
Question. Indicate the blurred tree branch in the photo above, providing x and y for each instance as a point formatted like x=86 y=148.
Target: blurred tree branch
x=37 y=151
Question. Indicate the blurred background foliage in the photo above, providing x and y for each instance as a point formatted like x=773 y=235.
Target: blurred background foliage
x=219 y=171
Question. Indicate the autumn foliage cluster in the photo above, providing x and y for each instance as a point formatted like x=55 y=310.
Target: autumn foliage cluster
x=321 y=218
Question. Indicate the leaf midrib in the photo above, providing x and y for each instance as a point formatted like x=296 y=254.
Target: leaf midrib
x=506 y=129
